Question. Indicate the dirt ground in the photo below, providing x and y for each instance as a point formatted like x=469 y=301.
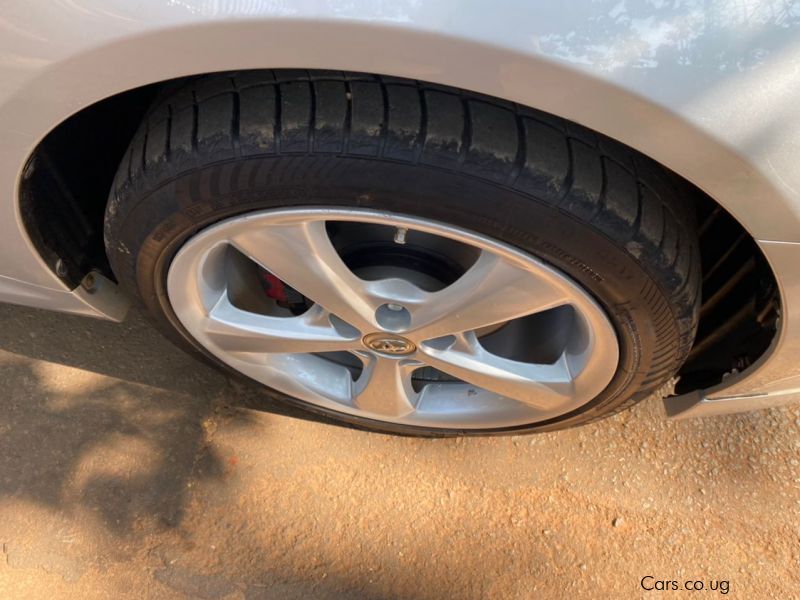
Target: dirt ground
x=127 y=470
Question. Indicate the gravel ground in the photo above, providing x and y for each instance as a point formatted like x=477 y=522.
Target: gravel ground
x=127 y=470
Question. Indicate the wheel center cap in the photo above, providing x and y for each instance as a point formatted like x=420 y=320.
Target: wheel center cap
x=388 y=343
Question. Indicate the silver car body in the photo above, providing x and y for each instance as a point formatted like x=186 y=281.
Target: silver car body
x=708 y=88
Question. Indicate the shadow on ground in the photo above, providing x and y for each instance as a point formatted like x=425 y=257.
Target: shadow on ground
x=157 y=398
x=122 y=447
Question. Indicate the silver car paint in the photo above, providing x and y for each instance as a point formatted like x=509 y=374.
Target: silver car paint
x=709 y=88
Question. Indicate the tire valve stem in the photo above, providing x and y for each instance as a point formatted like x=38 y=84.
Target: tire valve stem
x=400 y=235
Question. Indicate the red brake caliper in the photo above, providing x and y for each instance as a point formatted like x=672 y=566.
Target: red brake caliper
x=284 y=295
x=273 y=287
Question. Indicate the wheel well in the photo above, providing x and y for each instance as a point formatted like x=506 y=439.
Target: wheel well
x=66 y=180
x=65 y=187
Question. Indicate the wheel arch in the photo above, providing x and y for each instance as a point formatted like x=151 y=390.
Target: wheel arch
x=530 y=79
x=128 y=71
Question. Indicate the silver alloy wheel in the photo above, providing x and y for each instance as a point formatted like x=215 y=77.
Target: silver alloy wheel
x=393 y=325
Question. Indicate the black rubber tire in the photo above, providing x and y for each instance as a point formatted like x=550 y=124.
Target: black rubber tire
x=230 y=143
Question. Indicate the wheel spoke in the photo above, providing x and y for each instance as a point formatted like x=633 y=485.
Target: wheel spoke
x=384 y=387
x=301 y=254
x=236 y=330
x=492 y=291
x=542 y=386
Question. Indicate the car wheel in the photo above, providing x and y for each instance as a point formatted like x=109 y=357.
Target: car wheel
x=406 y=257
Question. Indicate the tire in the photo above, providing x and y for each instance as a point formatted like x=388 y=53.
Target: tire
x=617 y=223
